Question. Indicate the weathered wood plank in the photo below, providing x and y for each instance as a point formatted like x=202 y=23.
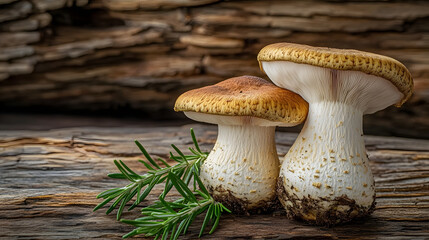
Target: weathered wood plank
x=150 y=5
x=31 y=23
x=49 y=180
x=15 y=11
x=18 y=38
x=373 y=9
x=46 y=5
x=314 y=24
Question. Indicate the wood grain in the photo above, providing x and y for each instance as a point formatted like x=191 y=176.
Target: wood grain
x=115 y=55
x=49 y=180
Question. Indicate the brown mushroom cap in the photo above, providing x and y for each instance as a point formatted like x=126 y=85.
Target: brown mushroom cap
x=342 y=59
x=245 y=96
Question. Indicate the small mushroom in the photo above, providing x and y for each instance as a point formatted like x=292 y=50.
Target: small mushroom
x=242 y=169
x=329 y=153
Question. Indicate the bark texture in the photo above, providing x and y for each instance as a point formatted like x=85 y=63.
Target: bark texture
x=49 y=180
x=135 y=55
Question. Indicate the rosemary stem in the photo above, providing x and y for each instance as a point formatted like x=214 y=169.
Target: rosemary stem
x=189 y=212
x=198 y=207
x=178 y=166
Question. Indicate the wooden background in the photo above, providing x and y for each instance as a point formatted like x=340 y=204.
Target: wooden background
x=134 y=57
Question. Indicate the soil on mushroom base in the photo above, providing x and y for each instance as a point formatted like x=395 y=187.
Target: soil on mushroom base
x=307 y=206
x=240 y=206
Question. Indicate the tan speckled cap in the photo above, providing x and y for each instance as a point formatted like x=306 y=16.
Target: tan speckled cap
x=342 y=59
x=245 y=96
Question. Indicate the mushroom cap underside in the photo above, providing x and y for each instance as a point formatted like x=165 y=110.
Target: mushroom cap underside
x=342 y=59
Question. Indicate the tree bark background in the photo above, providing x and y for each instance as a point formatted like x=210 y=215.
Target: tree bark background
x=135 y=57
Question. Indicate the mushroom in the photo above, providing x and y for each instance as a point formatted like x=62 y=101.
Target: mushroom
x=325 y=177
x=242 y=169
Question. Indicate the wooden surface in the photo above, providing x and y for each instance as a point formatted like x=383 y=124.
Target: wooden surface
x=49 y=180
x=138 y=56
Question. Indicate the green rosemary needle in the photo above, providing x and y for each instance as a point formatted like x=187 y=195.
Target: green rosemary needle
x=186 y=168
x=164 y=219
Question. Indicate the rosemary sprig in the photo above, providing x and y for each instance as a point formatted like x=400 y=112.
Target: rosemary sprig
x=164 y=219
x=187 y=167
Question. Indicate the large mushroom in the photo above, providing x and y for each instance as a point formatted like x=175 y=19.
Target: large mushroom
x=325 y=177
x=242 y=169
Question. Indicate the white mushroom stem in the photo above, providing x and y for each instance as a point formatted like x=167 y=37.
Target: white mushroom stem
x=243 y=163
x=328 y=159
x=326 y=176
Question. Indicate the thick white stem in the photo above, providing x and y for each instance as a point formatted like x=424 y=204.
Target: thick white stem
x=328 y=159
x=243 y=163
x=325 y=176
